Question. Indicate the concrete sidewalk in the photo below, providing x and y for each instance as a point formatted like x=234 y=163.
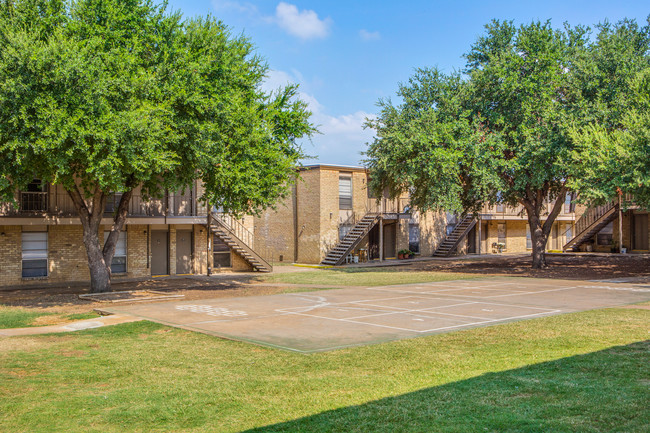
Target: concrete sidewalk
x=80 y=325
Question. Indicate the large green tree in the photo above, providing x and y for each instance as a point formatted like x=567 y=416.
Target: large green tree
x=102 y=96
x=497 y=132
x=613 y=152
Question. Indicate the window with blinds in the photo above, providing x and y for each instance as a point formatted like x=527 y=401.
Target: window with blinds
x=118 y=265
x=345 y=192
x=34 y=256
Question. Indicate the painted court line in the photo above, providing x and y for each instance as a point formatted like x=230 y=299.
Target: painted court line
x=414 y=313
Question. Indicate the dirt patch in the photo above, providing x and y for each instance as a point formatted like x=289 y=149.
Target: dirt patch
x=566 y=267
x=50 y=320
x=72 y=353
x=65 y=300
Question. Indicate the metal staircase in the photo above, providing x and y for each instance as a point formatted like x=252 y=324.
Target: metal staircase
x=337 y=255
x=590 y=223
x=450 y=243
x=239 y=239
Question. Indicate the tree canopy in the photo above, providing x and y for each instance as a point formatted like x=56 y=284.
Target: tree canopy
x=503 y=130
x=102 y=96
x=613 y=149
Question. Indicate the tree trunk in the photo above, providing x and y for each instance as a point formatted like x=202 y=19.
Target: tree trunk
x=100 y=273
x=538 y=239
x=90 y=214
x=533 y=203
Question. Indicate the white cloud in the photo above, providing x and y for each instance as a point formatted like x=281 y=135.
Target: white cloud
x=341 y=139
x=305 y=24
x=369 y=36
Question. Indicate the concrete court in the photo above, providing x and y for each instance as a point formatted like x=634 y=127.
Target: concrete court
x=337 y=318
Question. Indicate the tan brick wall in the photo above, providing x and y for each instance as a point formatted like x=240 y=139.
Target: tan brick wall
x=402 y=235
x=275 y=230
x=329 y=212
x=10 y=255
x=309 y=216
x=136 y=246
x=433 y=229
x=239 y=264
x=67 y=258
x=359 y=192
x=172 y=249
x=200 y=250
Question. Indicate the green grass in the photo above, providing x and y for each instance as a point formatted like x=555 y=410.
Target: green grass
x=581 y=372
x=18 y=317
x=363 y=277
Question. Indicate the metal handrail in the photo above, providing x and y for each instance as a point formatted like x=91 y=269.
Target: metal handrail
x=387 y=205
x=592 y=215
x=237 y=229
x=36 y=201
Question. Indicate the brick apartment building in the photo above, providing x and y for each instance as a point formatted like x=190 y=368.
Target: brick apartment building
x=328 y=204
x=329 y=218
x=41 y=240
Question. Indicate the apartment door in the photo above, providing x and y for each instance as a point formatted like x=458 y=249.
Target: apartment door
x=184 y=251
x=641 y=232
x=159 y=252
x=471 y=241
x=390 y=232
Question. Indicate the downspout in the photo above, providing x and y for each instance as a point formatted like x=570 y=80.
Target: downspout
x=295 y=223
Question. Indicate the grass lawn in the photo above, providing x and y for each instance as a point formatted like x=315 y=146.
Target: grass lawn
x=363 y=277
x=18 y=317
x=585 y=372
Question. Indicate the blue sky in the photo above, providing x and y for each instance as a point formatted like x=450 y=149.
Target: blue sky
x=347 y=55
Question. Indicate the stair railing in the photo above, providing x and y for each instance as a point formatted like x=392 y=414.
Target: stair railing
x=237 y=229
x=591 y=216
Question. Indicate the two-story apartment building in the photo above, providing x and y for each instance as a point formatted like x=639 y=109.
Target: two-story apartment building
x=332 y=204
x=41 y=240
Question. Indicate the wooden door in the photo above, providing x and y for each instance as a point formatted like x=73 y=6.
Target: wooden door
x=159 y=252
x=641 y=232
x=389 y=240
x=184 y=251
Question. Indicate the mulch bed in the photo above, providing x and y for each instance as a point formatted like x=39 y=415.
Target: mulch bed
x=569 y=267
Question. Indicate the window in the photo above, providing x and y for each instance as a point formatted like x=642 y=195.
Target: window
x=500 y=206
x=345 y=192
x=568 y=233
x=501 y=234
x=452 y=221
x=567 y=203
x=118 y=265
x=344 y=229
x=414 y=237
x=529 y=241
x=220 y=253
x=34 y=254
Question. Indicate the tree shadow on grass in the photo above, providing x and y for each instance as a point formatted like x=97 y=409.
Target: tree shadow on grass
x=605 y=391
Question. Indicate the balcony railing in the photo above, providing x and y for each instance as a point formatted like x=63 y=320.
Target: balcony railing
x=388 y=205
x=519 y=211
x=33 y=202
x=61 y=205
